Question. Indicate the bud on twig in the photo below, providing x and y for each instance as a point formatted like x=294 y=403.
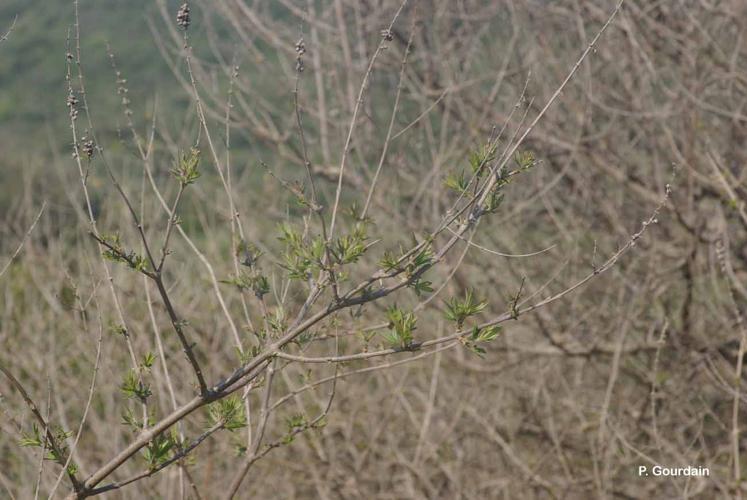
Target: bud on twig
x=182 y=16
x=87 y=146
x=300 y=50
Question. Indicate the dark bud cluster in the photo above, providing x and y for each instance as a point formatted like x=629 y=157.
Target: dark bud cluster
x=72 y=104
x=182 y=16
x=122 y=91
x=300 y=47
x=300 y=51
x=87 y=146
x=387 y=35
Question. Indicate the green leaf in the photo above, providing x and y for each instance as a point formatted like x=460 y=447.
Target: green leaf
x=118 y=329
x=248 y=253
x=290 y=236
x=392 y=339
x=129 y=419
x=116 y=253
x=478 y=159
x=37 y=439
x=458 y=310
x=34 y=439
x=148 y=360
x=276 y=321
x=133 y=387
x=185 y=169
x=296 y=421
x=456 y=182
x=423 y=258
x=300 y=258
x=229 y=412
x=479 y=335
x=159 y=450
x=422 y=286
x=349 y=248
x=401 y=325
x=524 y=159
x=477 y=350
x=388 y=262
x=257 y=283
x=494 y=200
x=489 y=333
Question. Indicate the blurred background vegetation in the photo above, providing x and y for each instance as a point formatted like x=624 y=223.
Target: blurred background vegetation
x=36 y=56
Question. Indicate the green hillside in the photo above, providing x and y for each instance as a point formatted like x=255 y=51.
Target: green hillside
x=35 y=56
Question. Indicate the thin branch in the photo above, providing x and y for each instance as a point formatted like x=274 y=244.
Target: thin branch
x=10 y=29
x=150 y=472
x=395 y=108
x=51 y=440
x=23 y=241
x=91 y=391
x=354 y=118
x=263 y=416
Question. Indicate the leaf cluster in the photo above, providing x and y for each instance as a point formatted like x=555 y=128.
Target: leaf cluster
x=524 y=160
x=481 y=157
x=482 y=335
x=247 y=354
x=350 y=247
x=277 y=320
x=159 y=449
x=117 y=329
x=115 y=252
x=134 y=387
x=228 y=413
x=186 y=168
x=401 y=327
x=133 y=384
x=456 y=182
x=300 y=258
x=56 y=451
x=295 y=423
x=422 y=259
x=458 y=310
x=390 y=262
x=248 y=253
x=257 y=283
x=478 y=159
